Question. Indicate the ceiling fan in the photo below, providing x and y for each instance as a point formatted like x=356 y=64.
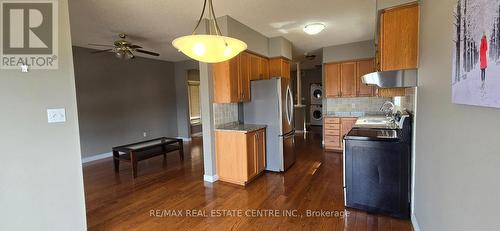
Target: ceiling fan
x=123 y=49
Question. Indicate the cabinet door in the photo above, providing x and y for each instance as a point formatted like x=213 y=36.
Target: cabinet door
x=252 y=149
x=254 y=67
x=399 y=38
x=285 y=68
x=346 y=125
x=365 y=67
x=244 y=80
x=332 y=80
x=264 y=68
x=348 y=79
x=225 y=76
x=261 y=153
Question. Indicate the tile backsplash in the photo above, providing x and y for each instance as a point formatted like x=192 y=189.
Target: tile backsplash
x=225 y=113
x=358 y=104
x=408 y=101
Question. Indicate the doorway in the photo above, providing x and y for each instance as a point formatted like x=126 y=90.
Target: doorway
x=193 y=85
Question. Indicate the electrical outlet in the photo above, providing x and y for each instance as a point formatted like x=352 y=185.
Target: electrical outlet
x=145 y=134
x=353 y=105
x=56 y=115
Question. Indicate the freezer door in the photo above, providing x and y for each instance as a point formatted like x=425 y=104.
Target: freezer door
x=288 y=150
x=286 y=106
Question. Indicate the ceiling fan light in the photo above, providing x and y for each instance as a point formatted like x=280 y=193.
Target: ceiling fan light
x=209 y=48
x=129 y=55
x=314 y=28
x=120 y=54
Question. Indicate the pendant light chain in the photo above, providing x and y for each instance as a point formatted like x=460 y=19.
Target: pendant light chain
x=211 y=8
x=209 y=46
x=201 y=17
x=211 y=17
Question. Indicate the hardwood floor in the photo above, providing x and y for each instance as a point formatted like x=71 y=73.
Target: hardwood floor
x=314 y=182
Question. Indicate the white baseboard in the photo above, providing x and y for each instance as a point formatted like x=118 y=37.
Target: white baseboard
x=184 y=138
x=414 y=222
x=210 y=179
x=96 y=157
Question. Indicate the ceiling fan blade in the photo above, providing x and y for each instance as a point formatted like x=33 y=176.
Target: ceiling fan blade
x=100 y=45
x=101 y=51
x=148 y=52
x=135 y=46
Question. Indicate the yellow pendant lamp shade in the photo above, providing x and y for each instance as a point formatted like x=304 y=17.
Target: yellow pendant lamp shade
x=209 y=48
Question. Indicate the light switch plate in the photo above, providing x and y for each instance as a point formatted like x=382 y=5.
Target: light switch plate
x=57 y=115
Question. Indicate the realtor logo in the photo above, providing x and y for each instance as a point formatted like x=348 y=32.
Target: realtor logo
x=29 y=34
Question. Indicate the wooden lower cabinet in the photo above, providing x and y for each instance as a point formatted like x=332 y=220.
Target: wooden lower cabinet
x=240 y=156
x=334 y=129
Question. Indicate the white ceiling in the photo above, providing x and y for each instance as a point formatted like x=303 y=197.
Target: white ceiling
x=153 y=24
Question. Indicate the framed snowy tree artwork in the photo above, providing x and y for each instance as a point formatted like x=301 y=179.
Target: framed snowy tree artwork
x=476 y=53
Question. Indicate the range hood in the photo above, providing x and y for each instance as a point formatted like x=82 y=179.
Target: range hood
x=392 y=79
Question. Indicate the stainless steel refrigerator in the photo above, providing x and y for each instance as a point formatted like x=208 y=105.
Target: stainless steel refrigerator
x=272 y=104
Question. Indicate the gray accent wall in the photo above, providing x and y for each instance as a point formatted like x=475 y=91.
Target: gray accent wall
x=457 y=147
x=119 y=100
x=41 y=181
x=351 y=51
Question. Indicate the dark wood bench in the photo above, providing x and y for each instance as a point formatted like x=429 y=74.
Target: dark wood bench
x=146 y=149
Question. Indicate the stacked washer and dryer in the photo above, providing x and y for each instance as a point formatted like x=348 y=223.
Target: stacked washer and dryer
x=316 y=108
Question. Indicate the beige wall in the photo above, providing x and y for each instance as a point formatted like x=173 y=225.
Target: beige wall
x=280 y=46
x=382 y=4
x=256 y=42
x=119 y=100
x=457 y=147
x=351 y=51
x=41 y=182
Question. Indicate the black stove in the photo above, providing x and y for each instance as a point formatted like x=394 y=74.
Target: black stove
x=377 y=165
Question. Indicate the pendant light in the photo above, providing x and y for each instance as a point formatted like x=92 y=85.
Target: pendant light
x=209 y=48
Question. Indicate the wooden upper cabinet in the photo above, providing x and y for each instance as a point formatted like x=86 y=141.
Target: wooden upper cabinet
x=332 y=80
x=279 y=67
x=226 y=81
x=264 y=67
x=232 y=80
x=255 y=72
x=348 y=79
x=244 y=79
x=398 y=45
x=285 y=68
x=365 y=67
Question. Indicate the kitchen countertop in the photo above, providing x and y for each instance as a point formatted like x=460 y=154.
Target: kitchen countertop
x=237 y=127
x=354 y=114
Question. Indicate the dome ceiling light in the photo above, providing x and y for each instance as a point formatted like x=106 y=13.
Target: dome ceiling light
x=209 y=48
x=314 y=28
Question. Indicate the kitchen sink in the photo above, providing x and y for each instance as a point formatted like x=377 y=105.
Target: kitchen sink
x=375 y=122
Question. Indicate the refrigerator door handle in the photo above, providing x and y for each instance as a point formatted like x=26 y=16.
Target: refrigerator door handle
x=289 y=105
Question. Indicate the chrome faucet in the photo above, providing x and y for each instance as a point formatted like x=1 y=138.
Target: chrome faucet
x=388 y=110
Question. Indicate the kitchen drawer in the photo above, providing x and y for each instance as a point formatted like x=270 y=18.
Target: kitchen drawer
x=332 y=141
x=332 y=120
x=332 y=126
x=329 y=132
